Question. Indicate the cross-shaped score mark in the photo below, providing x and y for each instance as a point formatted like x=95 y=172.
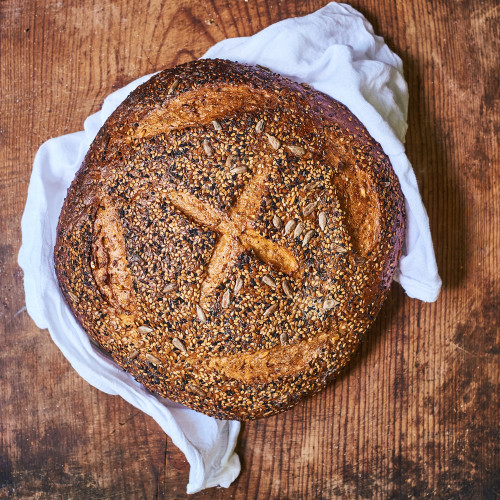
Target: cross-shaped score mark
x=236 y=233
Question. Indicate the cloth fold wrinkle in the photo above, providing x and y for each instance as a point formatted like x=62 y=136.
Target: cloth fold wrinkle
x=335 y=51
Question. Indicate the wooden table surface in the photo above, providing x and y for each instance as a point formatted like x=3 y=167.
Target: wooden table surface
x=416 y=415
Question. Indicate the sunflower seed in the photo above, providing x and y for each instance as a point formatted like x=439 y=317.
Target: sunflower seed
x=275 y=143
x=152 y=359
x=229 y=161
x=226 y=298
x=270 y=310
x=322 y=220
x=296 y=150
x=359 y=260
x=173 y=86
x=307 y=237
x=269 y=281
x=339 y=249
x=169 y=288
x=196 y=390
x=134 y=258
x=259 y=127
x=216 y=125
x=277 y=222
x=144 y=329
x=312 y=185
x=73 y=297
x=290 y=226
x=330 y=303
x=298 y=230
x=179 y=344
x=386 y=183
x=133 y=354
x=208 y=150
x=283 y=338
x=287 y=289
x=238 y=170
x=310 y=208
x=201 y=314
x=237 y=286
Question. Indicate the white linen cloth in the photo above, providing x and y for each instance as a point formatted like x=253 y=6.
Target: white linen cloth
x=336 y=52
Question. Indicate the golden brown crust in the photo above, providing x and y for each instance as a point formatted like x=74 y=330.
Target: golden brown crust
x=229 y=237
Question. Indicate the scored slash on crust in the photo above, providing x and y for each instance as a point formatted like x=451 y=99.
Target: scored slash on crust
x=236 y=235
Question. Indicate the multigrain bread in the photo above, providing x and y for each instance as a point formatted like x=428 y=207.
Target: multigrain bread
x=229 y=238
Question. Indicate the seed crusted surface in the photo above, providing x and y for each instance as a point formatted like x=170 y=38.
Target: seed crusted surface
x=229 y=238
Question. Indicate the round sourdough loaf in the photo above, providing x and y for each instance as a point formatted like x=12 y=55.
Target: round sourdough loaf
x=229 y=237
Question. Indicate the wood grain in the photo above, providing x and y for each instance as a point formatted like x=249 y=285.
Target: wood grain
x=416 y=415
